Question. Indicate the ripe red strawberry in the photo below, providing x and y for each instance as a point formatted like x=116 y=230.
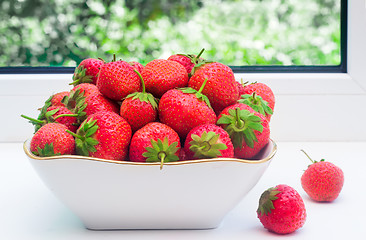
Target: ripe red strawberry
x=184 y=109
x=52 y=139
x=281 y=209
x=58 y=114
x=262 y=90
x=57 y=98
x=221 y=88
x=189 y=61
x=248 y=129
x=322 y=181
x=87 y=89
x=155 y=142
x=139 y=108
x=97 y=102
x=208 y=141
x=161 y=75
x=103 y=135
x=136 y=65
x=87 y=71
x=117 y=79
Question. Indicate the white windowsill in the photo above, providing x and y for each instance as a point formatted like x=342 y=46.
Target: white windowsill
x=281 y=83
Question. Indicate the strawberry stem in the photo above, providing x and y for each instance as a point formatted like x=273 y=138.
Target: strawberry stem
x=239 y=123
x=142 y=81
x=199 y=55
x=162 y=156
x=202 y=86
x=308 y=156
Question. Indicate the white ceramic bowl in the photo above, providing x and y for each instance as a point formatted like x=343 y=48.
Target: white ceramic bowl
x=108 y=194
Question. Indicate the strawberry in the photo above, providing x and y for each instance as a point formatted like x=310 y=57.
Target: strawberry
x=87 y=71
x=155 y=142
x=103 y=135
x=189 y=61
x=97 y=102
x=262 y=90
x=184 y=109
x=249 y=130
x=161 y=75
x=136 y=65
x=322 y=181
x=117 y=79
x=139 y=108
x=57 y=98
x=50 y=114
x=221 y=88
x=208 y=141
x=281 y=209
x=87 y=89
x=52 y=139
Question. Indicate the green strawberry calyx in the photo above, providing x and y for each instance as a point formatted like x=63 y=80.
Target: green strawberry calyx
x=80 y=76
x=266 y=201
x=75 y=102
x=161 y=151
x=45 y=116
x=84 y=137
x=257 y=103
x=206 y=145
x=46 y=151
x=144 y=96
x=240 y=124
x=198 y=93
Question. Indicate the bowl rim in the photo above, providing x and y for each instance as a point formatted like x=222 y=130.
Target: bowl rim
x=183 y=162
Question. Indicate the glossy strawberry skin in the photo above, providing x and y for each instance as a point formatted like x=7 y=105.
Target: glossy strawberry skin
x=118 y=79
x=151 y=131
x=246 y=152
x=183 y=111
x=224 y=138
x=221 y=87
x=322 y=181
x=262 y=90
x=69 y=122
x=113 y=135
x=240 y=89
x=161 y=75
x=87 y=89
x=57 y=97
x=137 y=113
x=136 y=65
x=289 y=213
x=55 y=133
x=92 y=67
x=184 y=60
x=97 y=102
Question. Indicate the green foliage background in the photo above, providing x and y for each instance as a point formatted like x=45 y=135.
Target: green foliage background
x=234 y=32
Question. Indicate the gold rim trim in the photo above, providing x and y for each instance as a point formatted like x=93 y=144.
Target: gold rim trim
x=266 y=159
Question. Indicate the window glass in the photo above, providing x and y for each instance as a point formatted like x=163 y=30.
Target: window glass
x=234 y=32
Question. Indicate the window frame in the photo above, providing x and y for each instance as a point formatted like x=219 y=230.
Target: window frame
x=341 y=68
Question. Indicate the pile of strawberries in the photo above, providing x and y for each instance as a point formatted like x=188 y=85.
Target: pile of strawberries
x=175 y=109
x=180 y=108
